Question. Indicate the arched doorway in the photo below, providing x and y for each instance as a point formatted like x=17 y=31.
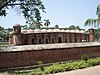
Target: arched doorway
x=77 y=39
x=53 y=40
x=33 y=41
x=60 y=40
x=47 y=40
x=25 y=41
x=66 y=40
x=40 y=41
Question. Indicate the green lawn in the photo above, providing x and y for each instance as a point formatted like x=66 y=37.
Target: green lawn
x=4 y=44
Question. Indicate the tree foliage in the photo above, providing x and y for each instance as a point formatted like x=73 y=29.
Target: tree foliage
x=97 y=34
x=36 y=25
x=94 y=22
x=47 y=23
x=98 y=11
x=1 y=28
x=4 y=33
x=29 y=8
x=73 y=27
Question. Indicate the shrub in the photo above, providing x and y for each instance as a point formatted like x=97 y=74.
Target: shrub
x=93 y=62
x=55 y=68
x=85 y=57
x=40 y=63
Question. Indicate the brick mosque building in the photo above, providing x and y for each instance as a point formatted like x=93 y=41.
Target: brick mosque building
x=37 y=36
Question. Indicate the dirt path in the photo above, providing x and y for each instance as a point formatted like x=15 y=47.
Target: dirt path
x=87 y=71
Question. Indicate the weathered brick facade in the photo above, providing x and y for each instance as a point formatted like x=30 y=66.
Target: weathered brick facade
x=18 y=37
x=31 y=57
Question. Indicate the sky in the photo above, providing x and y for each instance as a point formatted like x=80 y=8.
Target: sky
x=60 y=12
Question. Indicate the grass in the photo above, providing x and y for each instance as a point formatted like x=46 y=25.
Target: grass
x=5 y=44
x=20 y=73
x=61 y=67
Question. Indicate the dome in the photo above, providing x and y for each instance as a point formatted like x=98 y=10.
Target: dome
x=56 y=30
x=62 y=30
x=77 y=31
x=82 y=31
x=67 y=30
x=50 y=30
x=37 y=30
x=72 y=31
x=23 y=31
x=43 y=30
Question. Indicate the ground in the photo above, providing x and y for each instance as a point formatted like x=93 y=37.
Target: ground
x=95 y=70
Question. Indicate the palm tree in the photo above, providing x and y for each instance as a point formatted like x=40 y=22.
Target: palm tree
x=47 y=23
x=92 y=21
x=97 y=33
x=98 y=11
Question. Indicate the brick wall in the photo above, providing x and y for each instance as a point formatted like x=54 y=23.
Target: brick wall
x=29 y=58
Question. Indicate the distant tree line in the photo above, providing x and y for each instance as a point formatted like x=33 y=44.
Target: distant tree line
x=72 y=27
x=4 y=34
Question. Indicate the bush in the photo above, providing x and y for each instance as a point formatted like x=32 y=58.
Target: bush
x=79 y=65
x=55 y=68
x=37 y=72
x=93 y=62
x=85 y=57
x=40 y=63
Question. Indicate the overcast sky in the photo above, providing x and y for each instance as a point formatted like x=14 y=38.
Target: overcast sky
x=61 y=12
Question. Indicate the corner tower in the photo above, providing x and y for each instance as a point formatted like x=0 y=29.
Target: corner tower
x=17 y=34
x=91 y=35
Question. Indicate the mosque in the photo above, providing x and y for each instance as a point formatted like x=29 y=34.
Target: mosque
x=50 y=36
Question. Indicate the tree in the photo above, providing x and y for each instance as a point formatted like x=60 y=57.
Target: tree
x=72 y=27
x=36 y=25
x=90 y=22
x=56 y=26
x=98 y=11
x=78 y=28
x=7 y=31
x=4 y=33
x=1 y=31
x=29 y=8
x=1 y=28
x=24 y=27
x=97 y=34
x=94 y=22
x=47 y=23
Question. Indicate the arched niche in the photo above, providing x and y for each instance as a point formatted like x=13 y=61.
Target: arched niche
x=59 y=39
